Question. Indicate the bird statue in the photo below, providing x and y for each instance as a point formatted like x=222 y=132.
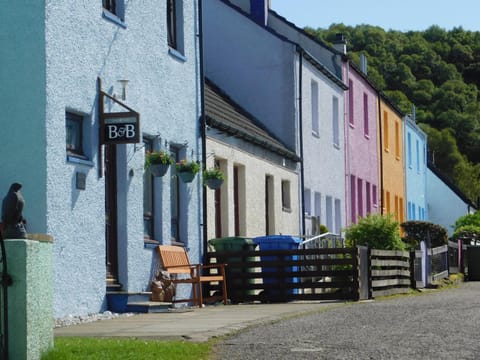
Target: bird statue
x=12 y=217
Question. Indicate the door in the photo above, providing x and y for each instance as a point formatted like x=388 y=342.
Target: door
x=111 y=220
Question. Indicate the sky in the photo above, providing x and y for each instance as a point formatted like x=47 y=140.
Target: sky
x=404 y=15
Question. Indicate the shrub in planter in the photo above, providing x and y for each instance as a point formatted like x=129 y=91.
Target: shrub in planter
x=186 y=170
x=158 y=162
x=377 y=231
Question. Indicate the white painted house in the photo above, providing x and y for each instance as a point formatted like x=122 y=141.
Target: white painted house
x=80 y=162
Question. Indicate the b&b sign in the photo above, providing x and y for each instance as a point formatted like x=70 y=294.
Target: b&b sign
x=120 y=128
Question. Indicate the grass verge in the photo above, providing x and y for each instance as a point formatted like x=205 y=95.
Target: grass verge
x=72 y=348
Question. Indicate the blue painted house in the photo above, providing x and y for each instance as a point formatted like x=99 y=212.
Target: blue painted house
x=415 y=170
x=87 y=88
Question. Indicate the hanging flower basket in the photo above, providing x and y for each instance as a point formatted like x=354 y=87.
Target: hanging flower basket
x=213 y=178
x=186 y=170
x=159 y=169
x=158 y=162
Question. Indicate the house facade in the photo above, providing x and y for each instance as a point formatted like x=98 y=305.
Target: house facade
x=445 y=202
x=415 y=170
x=361 y=137
x=258 y=196
x=391 y=159
x=102 y=88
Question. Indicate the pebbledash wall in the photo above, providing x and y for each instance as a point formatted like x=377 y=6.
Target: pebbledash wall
x=52 y=54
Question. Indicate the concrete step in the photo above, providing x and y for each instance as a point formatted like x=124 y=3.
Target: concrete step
x=125 y=301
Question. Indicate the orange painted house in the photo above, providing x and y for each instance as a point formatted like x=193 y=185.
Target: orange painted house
x=392 y=179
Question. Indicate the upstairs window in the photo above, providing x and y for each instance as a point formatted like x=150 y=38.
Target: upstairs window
x=366 y=130
x=175 y=25
x=286 y=203
x=315 y=119
x=350 y=103
x=335 y=122
x=114 y=10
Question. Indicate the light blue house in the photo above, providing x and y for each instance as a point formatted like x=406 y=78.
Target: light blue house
x=273 y=70
x=445 y=202
x=87 y=88
x=415 y=170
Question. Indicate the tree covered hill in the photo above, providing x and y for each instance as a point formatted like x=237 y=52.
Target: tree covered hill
x=437 y=72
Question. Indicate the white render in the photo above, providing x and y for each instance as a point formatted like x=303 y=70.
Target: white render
x=324 y=160
x=256 y=167
x=54 y=53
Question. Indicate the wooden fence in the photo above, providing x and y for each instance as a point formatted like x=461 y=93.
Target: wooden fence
x=286 y=275
x=326 y=274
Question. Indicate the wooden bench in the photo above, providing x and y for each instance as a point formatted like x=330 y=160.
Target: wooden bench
x=175 y=260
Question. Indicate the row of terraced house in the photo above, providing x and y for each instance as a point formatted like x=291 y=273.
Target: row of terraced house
x=302 y=134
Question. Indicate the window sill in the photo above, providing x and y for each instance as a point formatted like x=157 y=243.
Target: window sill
x=315 y=134
x=150 y=244
x=113 y=18
x=352 y=125
x=336 y=146
x=79 y=160
x=287 y=210
x=367 y=136
x=176 y=54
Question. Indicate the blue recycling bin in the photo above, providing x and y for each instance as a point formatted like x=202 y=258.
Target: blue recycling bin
x=279 y=242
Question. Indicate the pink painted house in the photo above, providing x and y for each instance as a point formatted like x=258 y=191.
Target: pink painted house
x=361 y=144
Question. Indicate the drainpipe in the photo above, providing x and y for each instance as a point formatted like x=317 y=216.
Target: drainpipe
x=300 y=130
x=203 y=129
x=380 y=152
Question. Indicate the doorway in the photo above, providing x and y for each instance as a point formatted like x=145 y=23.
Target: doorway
x=111 y=216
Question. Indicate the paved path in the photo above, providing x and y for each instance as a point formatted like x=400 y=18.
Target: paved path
x=436 y=325
x=196 y=325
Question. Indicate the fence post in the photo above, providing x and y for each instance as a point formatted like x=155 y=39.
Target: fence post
x=460 y=255
x=425 y=263
x=413 y=281
x=363 y=273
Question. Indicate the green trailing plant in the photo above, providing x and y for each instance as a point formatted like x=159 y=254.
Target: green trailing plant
x=188 y=166
x=468 y=219
x=157 y=158
x=214 y=173
x=417 y=231
x=377 y=231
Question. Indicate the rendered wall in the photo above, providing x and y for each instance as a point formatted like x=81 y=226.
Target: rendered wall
x=393 y=162
x=256 y=168
x=323 y=161
x=22 y=99
x=241 y=56
x=30 y=298
x=74 y=45
x=415 y=171
x=362 y=160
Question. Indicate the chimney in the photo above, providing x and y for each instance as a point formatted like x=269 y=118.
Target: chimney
x=363 y=64
x=259 y=11
x=340 y=43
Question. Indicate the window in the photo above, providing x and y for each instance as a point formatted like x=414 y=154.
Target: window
x=148 y=195
x=417 y=149
x=387 y=201
x=308 y=202
x=401 y=209
x=409 y=150
x=366 y=130
x=397 y=217
x=385 y=131
x=338 y=216
x=74 y=134
x=318 y=204
x=360 y=197
x=175 y=25
x=397 y=140
x=286 y=206
x=335 y=124
x=329 y=209
x=314 y=95
x=374 y=195
x=114 y=10
x=353 y=198
x=350 y=103
x=368 y=197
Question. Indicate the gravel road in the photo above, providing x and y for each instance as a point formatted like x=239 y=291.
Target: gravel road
x=440 y=324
